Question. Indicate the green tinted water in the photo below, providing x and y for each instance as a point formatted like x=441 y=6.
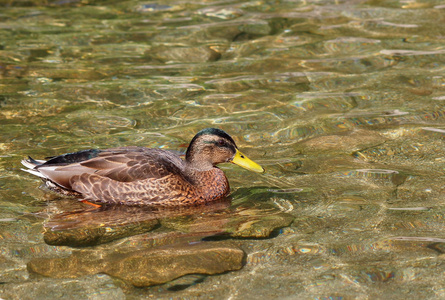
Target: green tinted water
x=341 y=101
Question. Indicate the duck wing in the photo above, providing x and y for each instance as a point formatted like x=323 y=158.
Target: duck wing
x=124 y=164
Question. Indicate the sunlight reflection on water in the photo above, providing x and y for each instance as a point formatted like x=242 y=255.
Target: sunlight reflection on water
x=341 y=101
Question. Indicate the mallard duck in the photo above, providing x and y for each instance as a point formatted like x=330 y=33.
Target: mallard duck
x=145 y=176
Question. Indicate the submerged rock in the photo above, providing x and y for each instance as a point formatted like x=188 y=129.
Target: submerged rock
x=12 y=271
x=224 y=13
x=284 y=82
x=246 y=220
x=184 y=54
x=145 y=267
x=96 y=226
x=88 y=287
x=92 y=236
x=157 y=266
x=346 y=143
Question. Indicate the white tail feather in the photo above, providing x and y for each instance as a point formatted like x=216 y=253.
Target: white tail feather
x=34 y=172
x=28 y=164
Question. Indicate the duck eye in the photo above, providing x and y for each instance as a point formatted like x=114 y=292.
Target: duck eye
x=221 y=143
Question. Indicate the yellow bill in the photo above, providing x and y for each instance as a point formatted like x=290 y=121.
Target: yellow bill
x=243 y=161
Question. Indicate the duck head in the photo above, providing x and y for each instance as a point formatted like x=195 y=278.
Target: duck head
x=212 y=146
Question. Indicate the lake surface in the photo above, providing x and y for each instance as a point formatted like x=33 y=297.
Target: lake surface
x=342 y=102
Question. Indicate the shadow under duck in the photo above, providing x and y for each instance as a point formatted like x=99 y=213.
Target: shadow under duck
x=145 y=176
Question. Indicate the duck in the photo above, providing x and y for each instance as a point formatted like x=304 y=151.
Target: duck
x=140 y=176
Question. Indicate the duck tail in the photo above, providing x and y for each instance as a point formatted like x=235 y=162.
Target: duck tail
x=31 y=164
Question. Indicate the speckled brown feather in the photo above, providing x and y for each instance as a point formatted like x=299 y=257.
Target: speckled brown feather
x=170 y=190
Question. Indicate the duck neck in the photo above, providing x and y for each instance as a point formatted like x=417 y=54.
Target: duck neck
x=211 y=183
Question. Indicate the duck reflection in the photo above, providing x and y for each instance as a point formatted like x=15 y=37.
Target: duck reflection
x=92 y=225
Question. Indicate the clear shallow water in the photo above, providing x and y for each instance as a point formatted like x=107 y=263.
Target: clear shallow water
x=341 y=102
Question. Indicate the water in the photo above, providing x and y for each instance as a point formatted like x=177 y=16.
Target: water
x=340 y=101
